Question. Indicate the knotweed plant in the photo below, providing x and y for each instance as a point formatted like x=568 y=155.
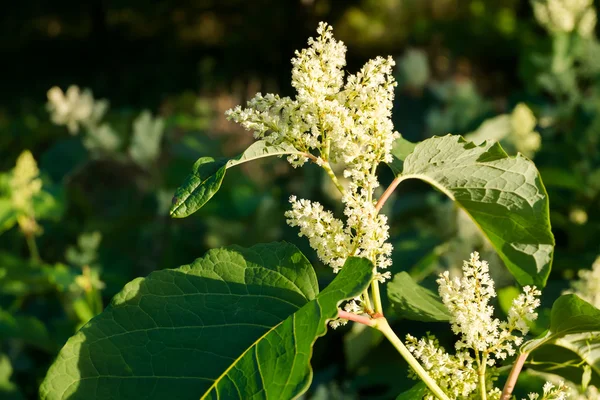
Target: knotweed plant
x=470 y=373
x=241 y=323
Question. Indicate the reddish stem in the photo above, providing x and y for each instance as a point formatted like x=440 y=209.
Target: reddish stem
x=356 y=318
x=509 y=386
x=388 y=192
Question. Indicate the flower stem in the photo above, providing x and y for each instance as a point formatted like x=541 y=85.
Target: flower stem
x=509 y=386
x=481 y=374
x=327 y=167
x=361 y=319
x=33 y=250
x=383 y=326
x=367 y=300
x=376 y=296
x=388 y=192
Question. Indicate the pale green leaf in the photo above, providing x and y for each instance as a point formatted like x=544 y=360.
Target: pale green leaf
x=236 y=324
x=208 y=173
x=570 y=315
x=400 y=150
x=414 y=302
x=503 y=195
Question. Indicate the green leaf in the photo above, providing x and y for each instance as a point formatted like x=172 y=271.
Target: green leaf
x=238 y=323
x=358 y=343
x=414 y=302
x=503 y=195
x=400 y=150
x=565 y=357
x=8 y=390
x=8 y=216
x=414 y=393
x=29 y=329
x=570 y=315
x=208 y=173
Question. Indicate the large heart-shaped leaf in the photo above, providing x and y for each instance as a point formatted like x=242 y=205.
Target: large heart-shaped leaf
x=208 y=173
x=414 y=302
x=236 y=324
x=503 y=195
x=570 y=315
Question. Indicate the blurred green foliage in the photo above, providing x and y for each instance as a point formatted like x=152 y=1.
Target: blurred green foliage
x=482 y=68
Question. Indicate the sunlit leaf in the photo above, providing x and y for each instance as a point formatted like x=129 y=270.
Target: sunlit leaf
x=414 y=302
x=570 y=315
x=236 y=324
x=208 y=173
x=503 y=195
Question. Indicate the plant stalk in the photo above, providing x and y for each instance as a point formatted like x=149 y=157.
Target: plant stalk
x=383 y=326
x=481 y=375
x=509 y=386
x=33 y=250
x=361 y=319
x=376 y=297
x=327 y=167
x=388 y=192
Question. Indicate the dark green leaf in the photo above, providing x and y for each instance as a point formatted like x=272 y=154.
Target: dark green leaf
x=415 y=393
x=208 y=173
x=26 y=328
x=238 y=323
x=503 y=195
x=414 y=302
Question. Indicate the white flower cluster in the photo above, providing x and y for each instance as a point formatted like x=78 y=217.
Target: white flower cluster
x=551 y=392
x=25 y=183
x=588 y=285
x=467 y=299
x=349 y=123
x=456 y=374
x=326 y=234
x=75 y=107
x=333 y=121
x=526 y=140
x=566 y=15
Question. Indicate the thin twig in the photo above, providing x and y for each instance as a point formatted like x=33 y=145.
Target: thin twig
x=361 y=319
x=388 y=192
x=509 y=386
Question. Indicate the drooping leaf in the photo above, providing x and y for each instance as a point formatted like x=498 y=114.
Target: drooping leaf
x=570 y=315
x=415 y=393
x=414 y=302
x=208 y=173
x=400 y=150
x=503 y=195
x=238 y=323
